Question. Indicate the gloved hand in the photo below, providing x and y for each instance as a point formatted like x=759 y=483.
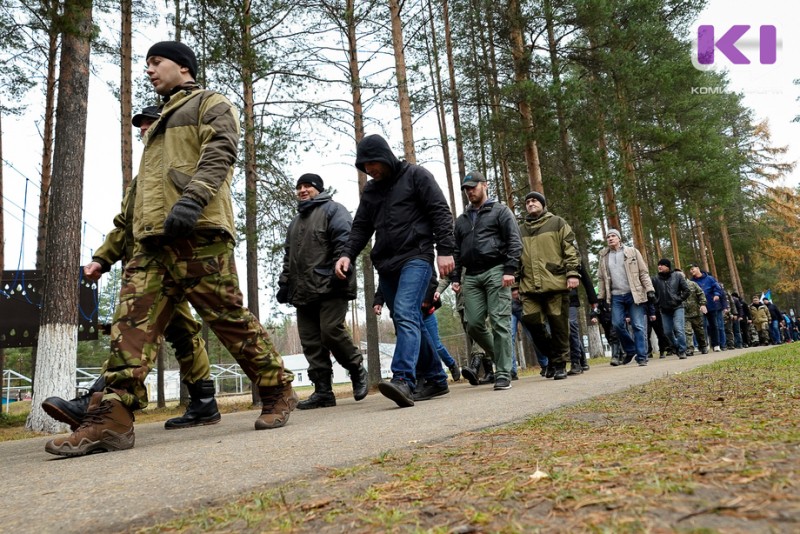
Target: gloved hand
x=282 y=296
x=183 y=217
x=651 y=297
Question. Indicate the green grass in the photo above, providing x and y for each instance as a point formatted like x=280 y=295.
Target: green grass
x=712 y=450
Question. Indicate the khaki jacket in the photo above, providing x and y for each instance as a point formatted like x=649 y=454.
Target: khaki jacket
x=549 y=255
x=189 y=151
x=635 y=268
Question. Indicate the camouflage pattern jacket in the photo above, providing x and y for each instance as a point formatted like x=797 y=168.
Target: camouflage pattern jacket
x=697 y=298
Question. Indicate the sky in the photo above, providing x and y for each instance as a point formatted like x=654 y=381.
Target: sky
x=767 y=89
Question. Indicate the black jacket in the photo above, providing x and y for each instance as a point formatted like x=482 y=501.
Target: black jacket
x=490 y=239
x=774 y=313
x=314 y=241
x=671 y=291
x=586 y=282
x=407 y=212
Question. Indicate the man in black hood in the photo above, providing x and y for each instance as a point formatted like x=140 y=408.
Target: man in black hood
x=406 y=210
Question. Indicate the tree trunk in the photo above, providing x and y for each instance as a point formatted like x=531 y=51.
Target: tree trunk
x=58 y=332
x=726 y=243
x=499 y=143
x=441 y=115
x=402 y=82
x=711 y=262
x=373 y=339
x=596 y=349
x=250 y=175
x=125 y=93
x=701 y=243
x=2 y=252
x=521 y=77
x=462 y=172
x=673 y=236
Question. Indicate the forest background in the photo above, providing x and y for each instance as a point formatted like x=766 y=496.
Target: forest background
x=595 y=103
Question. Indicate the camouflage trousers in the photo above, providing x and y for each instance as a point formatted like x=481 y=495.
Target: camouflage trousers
x=694 y=325
x=200 y=269
x=183 y=333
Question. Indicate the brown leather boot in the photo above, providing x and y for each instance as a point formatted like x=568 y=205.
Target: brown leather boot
x=107 y=426
x=277 y=402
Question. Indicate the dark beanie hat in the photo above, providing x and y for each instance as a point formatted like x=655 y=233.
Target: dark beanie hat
x=177 y=52
x=313 y=179
x=665 y=261
x=538 y=196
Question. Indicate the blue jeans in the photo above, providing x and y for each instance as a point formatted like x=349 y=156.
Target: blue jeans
x=623 y=306
x=723 y=340
x=403 y=293
x=775 y=332
x=432 y=325
x=712 y=332
x=675 y=328
x=737 y=333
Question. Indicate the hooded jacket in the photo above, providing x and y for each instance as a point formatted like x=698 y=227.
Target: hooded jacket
x=712 y=289
x=549 y=255
x=314 y=241
x=407 y=212
x=189 y=151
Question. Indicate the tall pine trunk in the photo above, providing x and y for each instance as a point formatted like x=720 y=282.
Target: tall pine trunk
x=402 y=82
x=451 y=69
x=58 y=331
x=125 y=92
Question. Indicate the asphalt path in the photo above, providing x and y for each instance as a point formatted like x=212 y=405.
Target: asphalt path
x=172 y=473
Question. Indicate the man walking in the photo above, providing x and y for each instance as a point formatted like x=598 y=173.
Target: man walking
x=694 y=309
x=625 y=284
x=406 y=210
x=184 y=235
x=314 y=241
x=671 y=291
x=182 y=332
x=715 y=303
x=488 y=247
x=548 y=271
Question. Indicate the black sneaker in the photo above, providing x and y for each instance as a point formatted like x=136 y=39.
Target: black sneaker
x=398 y=391
x=585 y=367
x=455 y=372
x=514 y=376
x=628 y=359
x=501 y=383
x=429 y=391
x=643 y=363
x=575 y=370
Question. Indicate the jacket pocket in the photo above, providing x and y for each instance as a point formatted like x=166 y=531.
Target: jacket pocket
x=179 y=179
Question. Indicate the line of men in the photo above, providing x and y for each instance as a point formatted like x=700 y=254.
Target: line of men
x=176 y=236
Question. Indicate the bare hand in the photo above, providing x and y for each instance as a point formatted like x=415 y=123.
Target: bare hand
x=456 y=287
x=92 y=271
x=377 y=309
x=508 y=280
x=716 y=298
x=436 y=296
x=445 y=264
x=703 y=310
x=572 y=282
x=342 y=266
x=594 y=320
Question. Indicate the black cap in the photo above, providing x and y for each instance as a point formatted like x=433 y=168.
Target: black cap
x=538 y=196
x=150 y=112
x=177 y=52
x=665 y=261
x=313 y=179
x=472 y=179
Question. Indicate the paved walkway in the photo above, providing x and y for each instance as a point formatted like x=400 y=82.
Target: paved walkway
x=170 y=473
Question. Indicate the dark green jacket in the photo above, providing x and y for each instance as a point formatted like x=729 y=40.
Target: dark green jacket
x=697 y=298
x=549 y=255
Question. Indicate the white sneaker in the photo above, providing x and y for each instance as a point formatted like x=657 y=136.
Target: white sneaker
x=716 y=348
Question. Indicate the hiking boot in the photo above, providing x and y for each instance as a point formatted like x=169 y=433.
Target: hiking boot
x=488 y=372
x=560 y=373
x=470 y=371
x=398 y=391
x=202 y=409
x=585 y=366
x=502 y=383
x=551 y=371
x=543 y=371
x=614 y=362
x=704 y=350
x=277 y=403
x=360 y=380
x=575 y=370
x=107 y=426
x=72 y=411
x=455 y=371
x=681 y=356
x=429 y=391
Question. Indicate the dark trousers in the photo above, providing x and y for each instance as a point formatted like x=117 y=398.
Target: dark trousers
x=322 y=332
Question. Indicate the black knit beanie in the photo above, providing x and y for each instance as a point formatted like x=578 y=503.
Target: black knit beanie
x=313 y=179
x=177 y=52
x=538 y=196
x=665 y=261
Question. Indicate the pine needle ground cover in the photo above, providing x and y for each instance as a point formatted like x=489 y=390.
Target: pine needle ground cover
x=713 y=450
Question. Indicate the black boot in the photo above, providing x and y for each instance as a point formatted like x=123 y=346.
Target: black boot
x=560 y=372
x=488 y=372
x=360 y=380
x=202 y=409
x=323 y=392
x=72 y=411
x=470 y=371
